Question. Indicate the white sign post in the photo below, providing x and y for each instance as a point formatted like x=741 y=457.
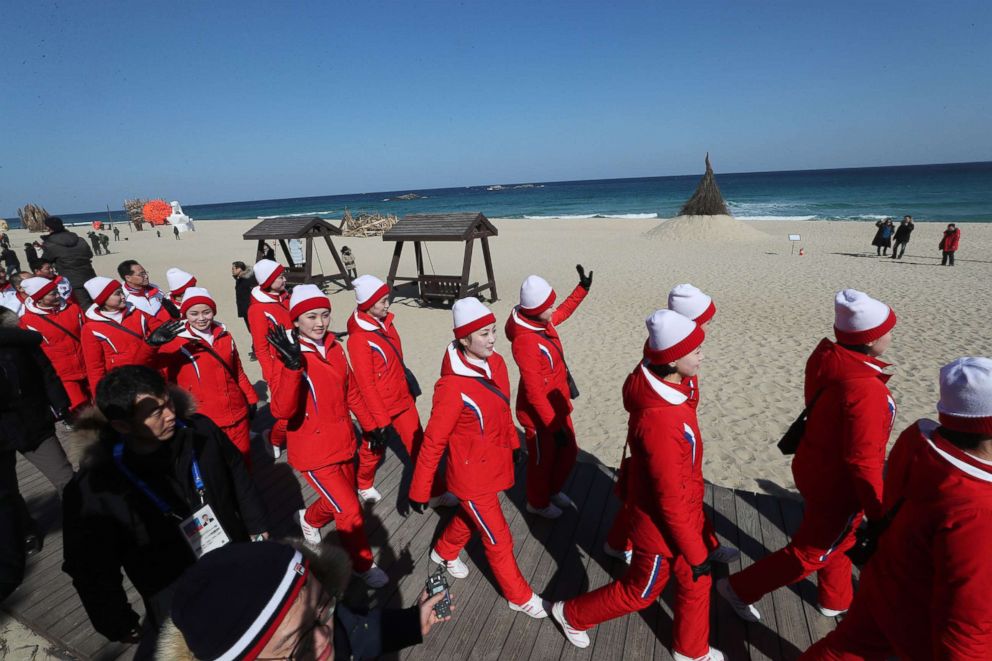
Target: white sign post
x=793 y=238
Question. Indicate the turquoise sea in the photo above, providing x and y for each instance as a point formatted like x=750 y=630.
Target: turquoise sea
x=938 y=193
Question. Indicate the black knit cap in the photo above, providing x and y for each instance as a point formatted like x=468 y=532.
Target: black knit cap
x=54 y=224
x=233 y=599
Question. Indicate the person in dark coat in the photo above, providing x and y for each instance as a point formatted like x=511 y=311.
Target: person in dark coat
x=71 y=256
x=883 y=237
x=117 y=233
x=30 y=252
x=94 y=241
x=903 y=232
x=132 y=503
x=10 y=261
x=244 y=282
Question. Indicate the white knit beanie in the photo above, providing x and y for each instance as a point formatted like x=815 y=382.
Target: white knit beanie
x=266 y=271
x=179 y=280
x=690 y=302
x=368 y=290
x=196 y=296
x=966 y=395
x=536 y=295
x=37 y=287
x=100 y=288
x=859 y=318
x=306 y=298
x=470 y=315
x=671 y=336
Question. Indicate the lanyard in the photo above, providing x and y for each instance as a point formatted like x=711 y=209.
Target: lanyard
x=147 y=490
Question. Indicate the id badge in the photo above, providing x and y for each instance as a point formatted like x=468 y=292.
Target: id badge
x=203 y=532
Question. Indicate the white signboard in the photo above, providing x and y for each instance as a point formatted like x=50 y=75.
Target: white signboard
x=794 y=237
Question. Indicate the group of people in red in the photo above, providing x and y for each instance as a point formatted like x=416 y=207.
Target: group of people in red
x=915 y=522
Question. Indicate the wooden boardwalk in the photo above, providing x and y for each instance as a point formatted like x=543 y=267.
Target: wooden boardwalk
x=560 y=558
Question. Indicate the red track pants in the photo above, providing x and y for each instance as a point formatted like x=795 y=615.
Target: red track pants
x=240 y=435
x=858 y=636
x=407 y=425
x=818 y=546
x=619 y=536
x=78 y=391
x=485 y=514
x=335 y=484
x=548 y=466
x=277 y=436
x=638 y=588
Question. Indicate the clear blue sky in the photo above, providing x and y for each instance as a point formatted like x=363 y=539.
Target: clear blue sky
x=224 y=101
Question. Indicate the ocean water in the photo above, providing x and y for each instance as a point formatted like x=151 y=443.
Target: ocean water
x=938 y=193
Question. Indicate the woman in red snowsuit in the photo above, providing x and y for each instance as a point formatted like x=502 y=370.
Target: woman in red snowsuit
x=471 y=419
x=203 y=360
x=664 y=497
x=313 y=390
x=544 y=399
x=925 y=592
x=60 y=324
x=269 y=304
x=838 y=466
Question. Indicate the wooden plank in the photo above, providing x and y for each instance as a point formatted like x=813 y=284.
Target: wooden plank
x=490 y=273
x=393 y=265
x=729 y=632
x=762 y=640
x=466 y=269
x=819 y=626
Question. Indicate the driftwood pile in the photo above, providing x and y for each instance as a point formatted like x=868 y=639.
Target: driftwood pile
x=367 y=224
x=707 y=200
x=33 y=218
x=133 y=209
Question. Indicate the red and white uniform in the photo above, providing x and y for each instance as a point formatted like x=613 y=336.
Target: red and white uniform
x=61 y=329
x=543 y=402
x=838 y=471
x=664 y=506
x=925 y=592
x=113 y=340
x=265 y=307
x=320 y=438
x=471 y=419
x=203 y=364
x=148 y=300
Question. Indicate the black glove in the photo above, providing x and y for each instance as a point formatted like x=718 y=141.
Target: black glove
x=252 y=411
x=287 y=348
x=377 y=438
x=585 y=281
x=419 y=508
x=702 y=569
x=518 y=455
x=562 y=437
x=865 y=543
x=165 y=333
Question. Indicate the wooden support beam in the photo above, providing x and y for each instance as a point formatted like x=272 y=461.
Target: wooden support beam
x=285 y=251
x=466 y=269
x=392 y=268
x=488 y=258
x=308 y=264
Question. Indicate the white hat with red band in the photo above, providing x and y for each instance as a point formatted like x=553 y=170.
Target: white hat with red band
x=368 y=290
x=966 y=395
x=306 y=298
x=690 y=302
x=859 y=318
x=266 y=271
x=470 y=315
x=536 y=295
x=38 y=287
x=196 y=296
x=671 y=336
x=100 y=288
x=179 y=280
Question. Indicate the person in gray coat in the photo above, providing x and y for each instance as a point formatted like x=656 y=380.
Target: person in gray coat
x=71 y=256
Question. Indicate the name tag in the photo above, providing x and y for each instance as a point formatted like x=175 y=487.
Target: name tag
x=203 y=532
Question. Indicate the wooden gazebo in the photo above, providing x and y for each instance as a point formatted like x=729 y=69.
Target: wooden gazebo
x=466 y=227
x=305 y=229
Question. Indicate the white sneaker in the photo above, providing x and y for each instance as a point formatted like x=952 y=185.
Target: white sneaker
x=746 y=612
x=533 y=607
x=549 y=512
x=626 y=556
x=725 y=554
x=310 y=533
x=455 y=567
x=713 y=655
x=370 y=495
x=273 y=451
x=374 y=578
x=563 y=502
x=446 y=499
x=829 y=612
x=578 y=638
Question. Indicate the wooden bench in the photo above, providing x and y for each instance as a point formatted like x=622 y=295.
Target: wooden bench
x=443 y=288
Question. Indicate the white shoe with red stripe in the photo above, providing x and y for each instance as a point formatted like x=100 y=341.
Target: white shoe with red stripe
x=310 y=534
x=455 y=567
x=829 y=612
x=370 y=495
x=533 y=607
x=713 y=655
x=745 y=611
x=578 y=638
x=374 y=577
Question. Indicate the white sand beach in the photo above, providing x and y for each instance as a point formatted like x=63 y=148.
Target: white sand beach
x=772 y=309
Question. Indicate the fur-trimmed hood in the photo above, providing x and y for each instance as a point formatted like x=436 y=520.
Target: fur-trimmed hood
x=330 y=565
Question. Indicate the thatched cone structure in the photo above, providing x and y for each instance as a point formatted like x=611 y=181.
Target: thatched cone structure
x=33 y=218
x=707 y=200
x=135 y=215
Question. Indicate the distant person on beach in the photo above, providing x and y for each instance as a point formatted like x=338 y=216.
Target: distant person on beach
x=94 y=242
x=349 y=262
x=949 y=244
x=4 y=241
x=105 y=243
x=839 y=463
x=117 y=233
x=903 y=232
x=244 y=282
x=883 y=236
x=924 y=594
x=71 y=256
x=11 y=263
x=30 y=252
x=268 y=252
x=175 y=231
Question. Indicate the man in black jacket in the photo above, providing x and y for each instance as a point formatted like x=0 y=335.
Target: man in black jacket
x=71 y=256
x=903 y=232
x=149 y=494
x=244 y=282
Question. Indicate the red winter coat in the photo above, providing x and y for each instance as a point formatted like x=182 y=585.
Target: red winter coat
x=663 y=476
x=189 y=363
x=474 y=424
x=377 y=368
x=263 y=308
x=928 y=585
x=61 y=331
x=543 y=399
x=950 y=241
x=108 y=344
x=315 y=401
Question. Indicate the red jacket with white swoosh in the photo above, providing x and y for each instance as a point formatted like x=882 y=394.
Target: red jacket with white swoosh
x=108 y=343
x=62 y=343
x=377 y=368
